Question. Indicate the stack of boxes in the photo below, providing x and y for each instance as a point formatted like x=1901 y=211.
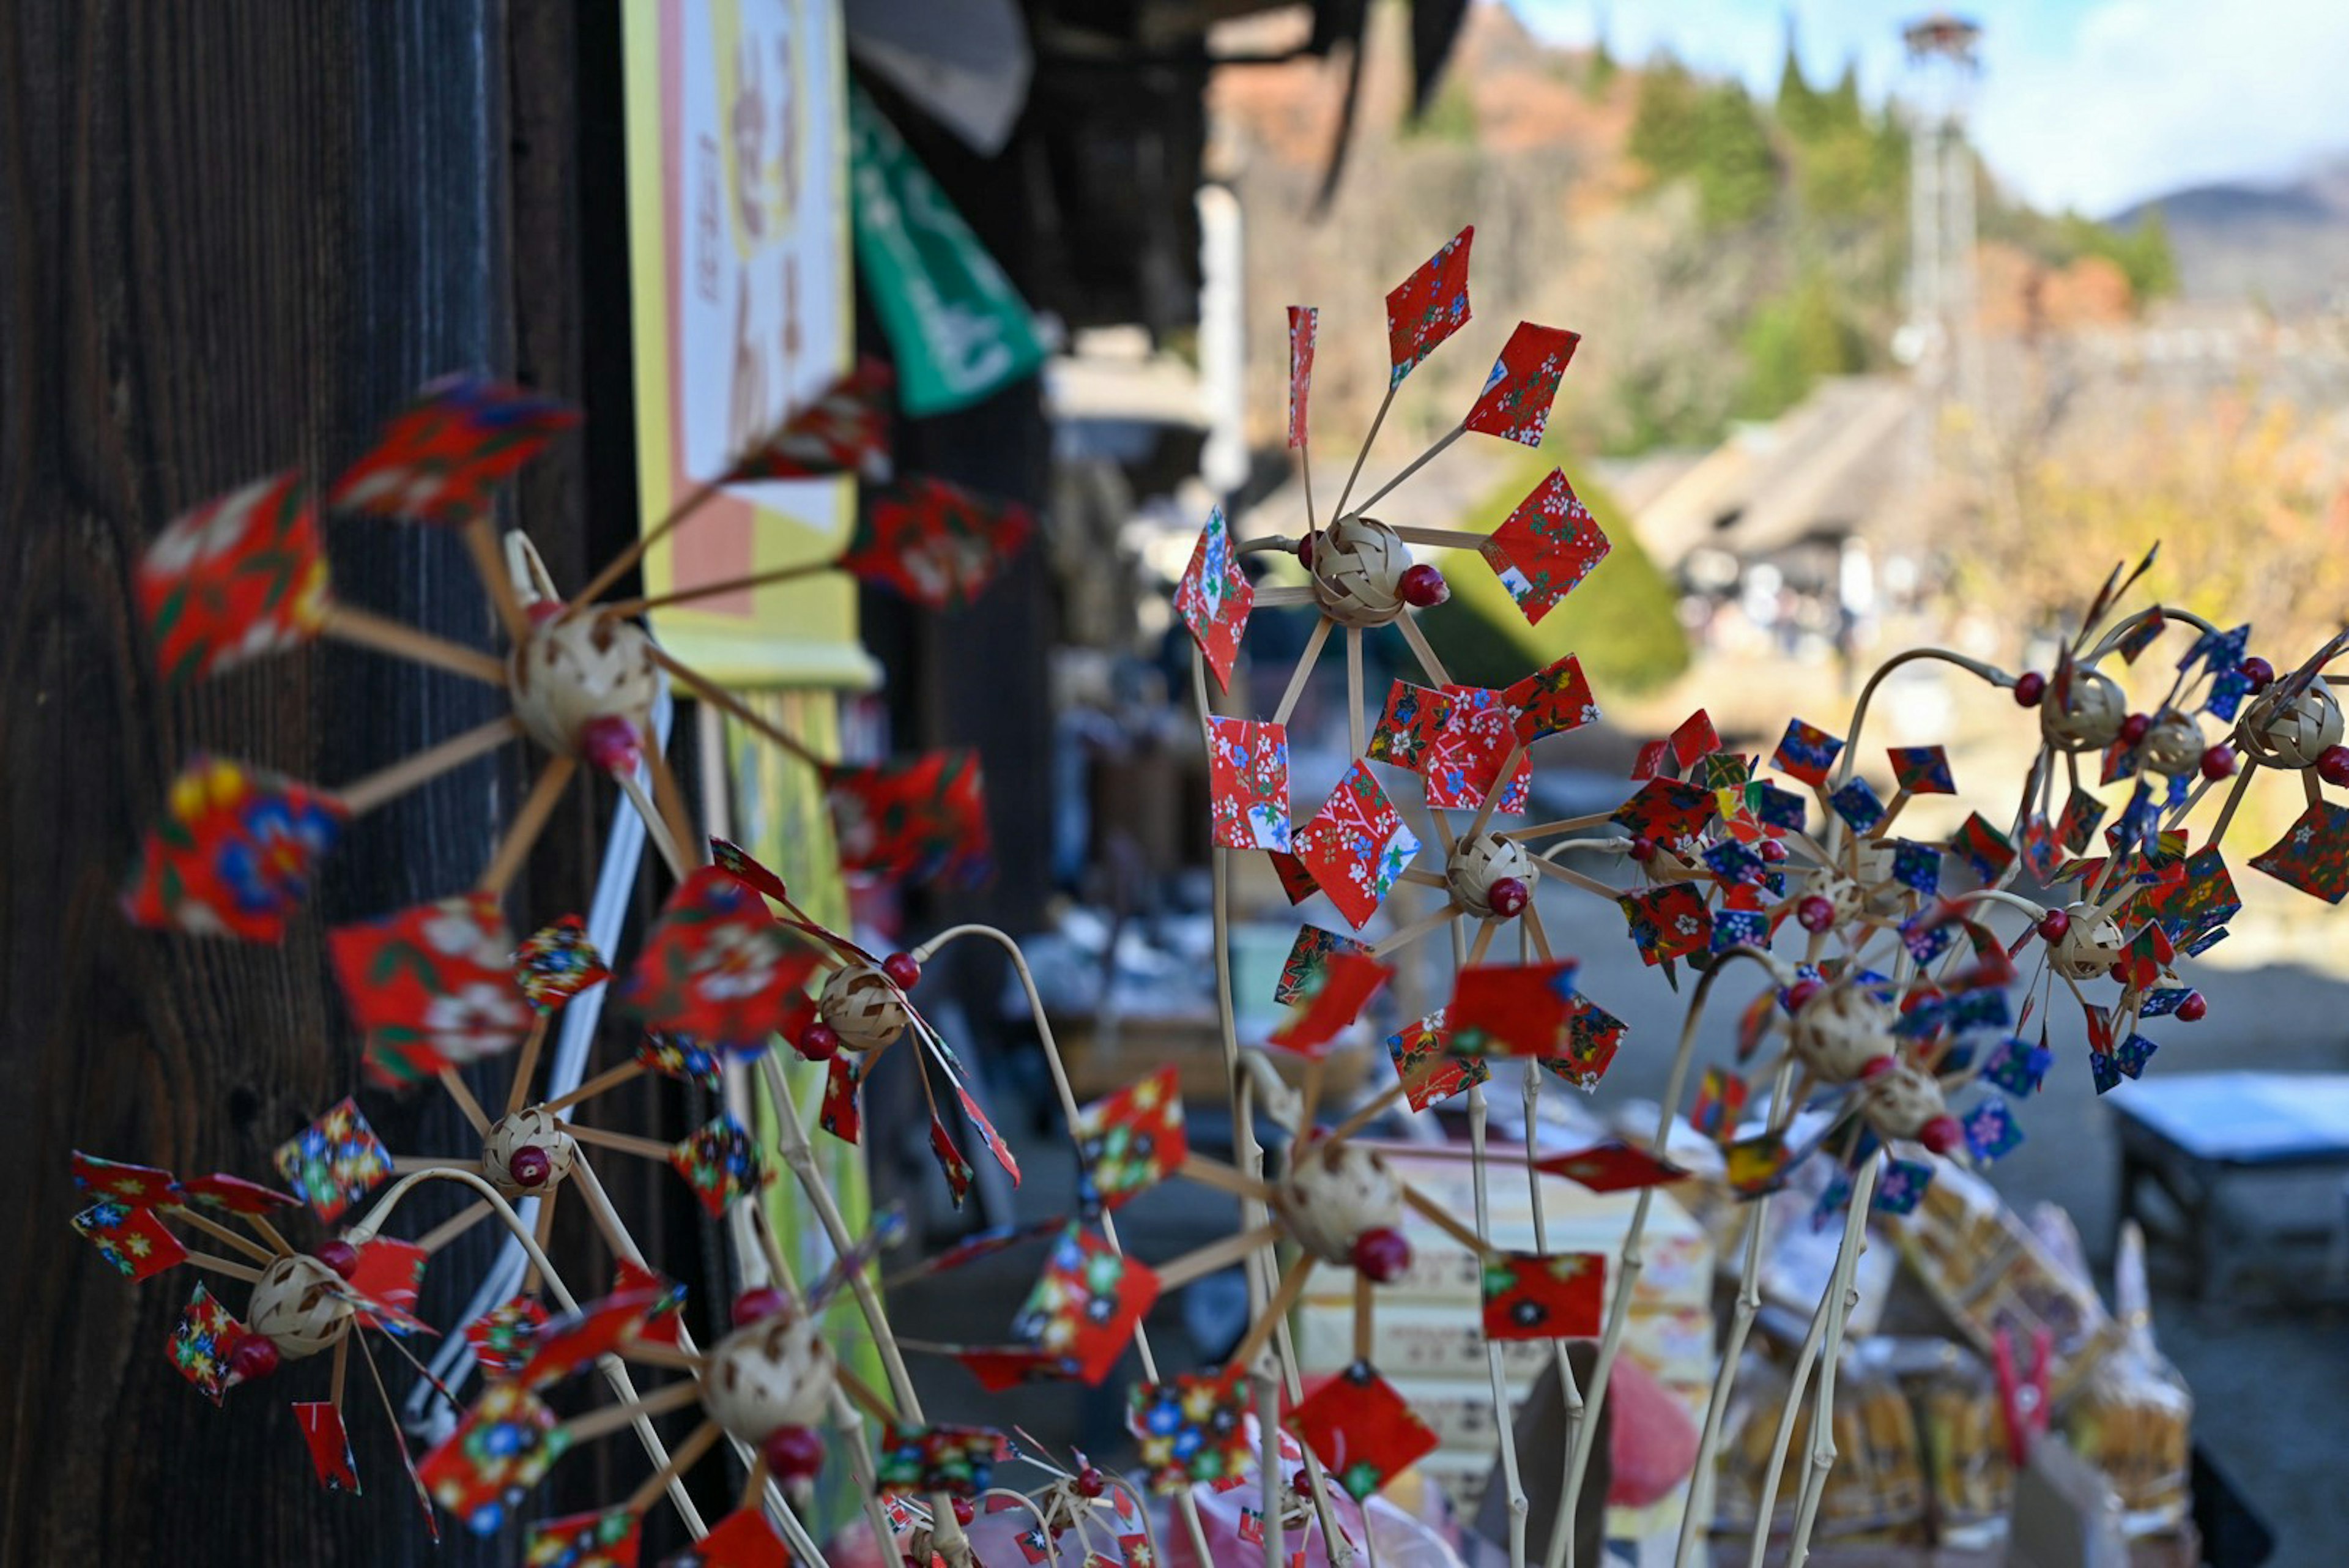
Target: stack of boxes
x=1428 y=1339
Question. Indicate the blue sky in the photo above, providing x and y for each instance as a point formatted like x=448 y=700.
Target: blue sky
x=2085 y=103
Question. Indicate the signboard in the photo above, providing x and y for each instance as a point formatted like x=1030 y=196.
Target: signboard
x=742 y=305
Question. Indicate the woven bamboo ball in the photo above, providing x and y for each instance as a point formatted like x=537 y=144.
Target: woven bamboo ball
x=2090 y=715
x=767 y=1375
x=1334 y=1193
x=2088 y=946
x=566 y=674
x=1900 y=1102
x=299 y=1307
x=1476 y=862
x=2172 y=746
x=1357 y=567
x=864 y=1006
x=1840 y=1030
x=2289 y=733
x=534 y=1126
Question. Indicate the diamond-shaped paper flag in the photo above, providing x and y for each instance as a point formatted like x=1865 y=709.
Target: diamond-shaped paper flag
x=1514 y=404
x=1922 y=770
x=1361 y=1429
x=1552 y=701
x=1309 y=957
x=1348 y=983
x=234 y=854
x=1356 y=845
x=1248 y=783
x=436 y=980
x=1806 y=753
x=557 y=962
x=1532 y=1295
x=1214 y=598
x=502 y=1449
x=1512 y=1010
x=438 y=459
x=1086 y=1302
x=133 y=1240
x=1429 y=305
x=1544 y=549
x=335 y=1162
x=240 y=576
x=1132 y=1140
x=1424 y=1060
x=1190 y=1429
x=934 y=543
x=2314 y=853
x=720 y=1159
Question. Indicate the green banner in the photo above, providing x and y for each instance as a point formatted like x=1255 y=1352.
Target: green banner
x=959 y=329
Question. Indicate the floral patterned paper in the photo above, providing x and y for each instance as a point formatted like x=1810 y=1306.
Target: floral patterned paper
x=717 y=965
x=1424 y=1060
x=1086 y=1302
x=241 y=576
x=440 y=458
x=132 y=1239
x=1190 y=1430
x=436 y=976
x=721 y=1160
x=608 y=1538
x=1407 y=727
x=1514 y=404
x=1308 y=959
x=957 y=1460
x=504 y=1337
x=1668 y=922
x=844 y=431
x=1361 y=1429
x=557 y=962
x=1214 y=598
x=1922 y=770
x=1248 y=773
x=1807 y=753
x=1552 y=701
x=335 y=1162
x=1357 y=845
x=1304 y=328
x=2313 y=854
x=502 y=1448
x=1533 y=1295
x=1473 y=738
x=918 y=820
x=934 y=543
x=234 y=854
x=1429 y=305
x=205 y=1338
x=1132 y=1140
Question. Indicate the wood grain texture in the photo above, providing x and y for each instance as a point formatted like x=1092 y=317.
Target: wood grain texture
x=232 y=237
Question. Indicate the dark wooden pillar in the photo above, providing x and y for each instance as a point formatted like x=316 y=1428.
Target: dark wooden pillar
x=233 y=236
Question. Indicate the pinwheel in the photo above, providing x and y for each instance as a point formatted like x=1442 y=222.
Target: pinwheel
x=246 y=575
x=300 y=1304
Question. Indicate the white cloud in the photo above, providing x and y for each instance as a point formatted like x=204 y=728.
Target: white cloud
x=2083 y=103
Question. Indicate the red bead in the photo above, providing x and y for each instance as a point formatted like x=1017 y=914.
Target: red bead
x=819 y=1042
x=1507 y=896
x=1424 y=586
x=1798 y=995
x=965 y=1510
x=759 y=1304
x=2258 y=671
x=545 y=611
x=1943 y=1134
x=1382 y=1255
x=1816 y=914
x=793 y=1453
x=528 y=1166
x=904 y=970
x=339 y=1256
x=1091 y=1482
x=1875 y=1067
x=2219 y=762
x=2333 y=765
x=1643 y=850
x=1772 y=851
x=254 y=1357
x=2133 y=727
x=2193 y=1008
x=2052 y=925
x=610 y=743
x=1305 y=552
x=2028 y=688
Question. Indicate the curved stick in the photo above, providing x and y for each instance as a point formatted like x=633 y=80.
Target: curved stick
x=946 y=1532
x=1618 y=1311
x=1990 y=672
x=2111 y=638
x=921 y=954
x=615 y=1372
x=1840 y=1295
x=1741 y=1323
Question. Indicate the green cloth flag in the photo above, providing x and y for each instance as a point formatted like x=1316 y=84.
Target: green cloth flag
x=959 y=329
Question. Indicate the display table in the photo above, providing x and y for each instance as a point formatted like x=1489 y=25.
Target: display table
x=2193 y=1134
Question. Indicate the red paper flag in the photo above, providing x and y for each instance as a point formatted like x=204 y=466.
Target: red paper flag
x=1512 y=1010
x=1611 y=1167
x=234 y=854
x=1515 y=401
x=934 y=543
x=844 y=431
x=1214 y=598
x=1348 y=983
x=329 y=1444
x=1361 y=1429
x=1304 y=326
x=1529 y=1295
x=437 y=977
x=1429 y=305
x=240 y=576
x=438 y=459
x=912 y=821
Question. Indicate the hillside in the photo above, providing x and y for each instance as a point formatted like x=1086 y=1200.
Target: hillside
x=2284 y=245
x=1719 y=252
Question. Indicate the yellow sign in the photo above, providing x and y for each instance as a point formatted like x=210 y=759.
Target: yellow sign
x=742 y=295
